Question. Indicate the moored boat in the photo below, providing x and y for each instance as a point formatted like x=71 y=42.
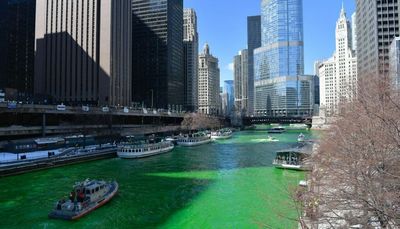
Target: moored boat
x=85 y=197
x=294 y=159
x=276 y=130
x=222 y=134
x=194 y=139
x=144 y=149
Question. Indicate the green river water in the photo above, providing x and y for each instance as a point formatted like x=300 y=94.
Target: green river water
x=226 y=184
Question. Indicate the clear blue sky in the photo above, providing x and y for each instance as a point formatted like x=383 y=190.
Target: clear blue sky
x=223 y=24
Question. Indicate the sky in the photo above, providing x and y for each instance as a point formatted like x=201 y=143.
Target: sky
x=223 y=25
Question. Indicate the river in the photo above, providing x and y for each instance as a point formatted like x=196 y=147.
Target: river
x=226 y=184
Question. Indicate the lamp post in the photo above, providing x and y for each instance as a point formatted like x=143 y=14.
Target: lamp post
x=152 y=97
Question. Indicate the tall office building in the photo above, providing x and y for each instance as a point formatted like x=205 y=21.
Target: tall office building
x=253 y=42
x=241 y=79
x=17 y=39
x=209 y=75
x=354 y=32
x=378 y=23
x=83 y=51
x=229 y=89
x=191 y=53
x=279 y=63
x=338 y=75
x=394 y=57
x=158 y=74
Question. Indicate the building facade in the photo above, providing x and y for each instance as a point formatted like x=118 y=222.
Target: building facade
x=229 y=89
x=17 y=42
x=209 y=76
x=83 y=52
x=394 y=57
x=253 y=42
x=378 y=23
x=338 y=75
x=241 y=79
x=157 y=64
x=279 y=63
x=191 y=53
x=353 y=31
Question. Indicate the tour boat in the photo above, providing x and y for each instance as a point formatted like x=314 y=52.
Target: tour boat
x=144 y=149
x=194 y=139
x=301 y=138
x=276 y=130
x=272 y=139
x=293 y=159
x=222 y=134
x=85 y=197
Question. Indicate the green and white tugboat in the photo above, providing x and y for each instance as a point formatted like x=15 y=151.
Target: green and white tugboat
x=85 y=197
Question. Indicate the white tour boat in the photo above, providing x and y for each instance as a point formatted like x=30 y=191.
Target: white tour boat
x=222 y=134
x=293 y=159
x=139 y=150
x=194 y=139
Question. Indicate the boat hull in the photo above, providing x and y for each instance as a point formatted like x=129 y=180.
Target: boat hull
x=128 y=155
x=191 y=144
x=292 y=167
x=56 y=214
x=221 y=137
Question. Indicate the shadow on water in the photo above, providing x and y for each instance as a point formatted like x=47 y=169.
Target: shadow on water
x=151 y=189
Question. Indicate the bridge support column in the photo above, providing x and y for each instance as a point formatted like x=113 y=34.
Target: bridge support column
x=44 y=124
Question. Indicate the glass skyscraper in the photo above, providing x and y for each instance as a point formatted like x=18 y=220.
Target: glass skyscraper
x=279 y=84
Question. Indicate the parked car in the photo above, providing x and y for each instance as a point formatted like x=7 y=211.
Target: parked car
x=61 y=107
x=105 y=109
x=85 y=108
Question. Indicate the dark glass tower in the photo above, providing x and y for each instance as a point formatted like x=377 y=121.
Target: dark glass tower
x=253 y=42
x=17 y=38
x=157 y=74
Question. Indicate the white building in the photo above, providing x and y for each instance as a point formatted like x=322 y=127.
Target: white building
x=394 y=58
x=208 y=89
x=241 y=79
x=191 y=53
x=338 y=75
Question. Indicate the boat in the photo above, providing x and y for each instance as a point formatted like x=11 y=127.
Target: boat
x=276 y=130
x=293 y=159
x=272 y=139
x=85 y=197
x=222 y=134
x=194 y=139
x=301 y=138
x=144 y=149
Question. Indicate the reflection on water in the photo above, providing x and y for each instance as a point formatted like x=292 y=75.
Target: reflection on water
x=226 y=184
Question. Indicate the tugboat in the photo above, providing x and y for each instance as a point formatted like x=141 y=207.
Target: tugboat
x=85 y=197
x=140 y=150
x=222 y=134
x=194 y=139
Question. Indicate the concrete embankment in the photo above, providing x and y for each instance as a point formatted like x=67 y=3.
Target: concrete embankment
x=52 y=162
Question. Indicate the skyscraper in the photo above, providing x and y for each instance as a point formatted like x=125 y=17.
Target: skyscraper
x=279 y=63
x=158 y=74
x=354 y=32
x=191 y=53
x=229 y=89
x=209 y=76
x=338 y=75
x=17 y=41
x=83 y=51
x=241 y=79
x=394 y=57
x=378 y=23
x=253 y=42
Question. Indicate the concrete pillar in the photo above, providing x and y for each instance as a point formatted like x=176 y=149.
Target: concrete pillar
x=44 y=124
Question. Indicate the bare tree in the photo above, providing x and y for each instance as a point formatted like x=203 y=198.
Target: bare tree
x=195 y=121
x=356 y=178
